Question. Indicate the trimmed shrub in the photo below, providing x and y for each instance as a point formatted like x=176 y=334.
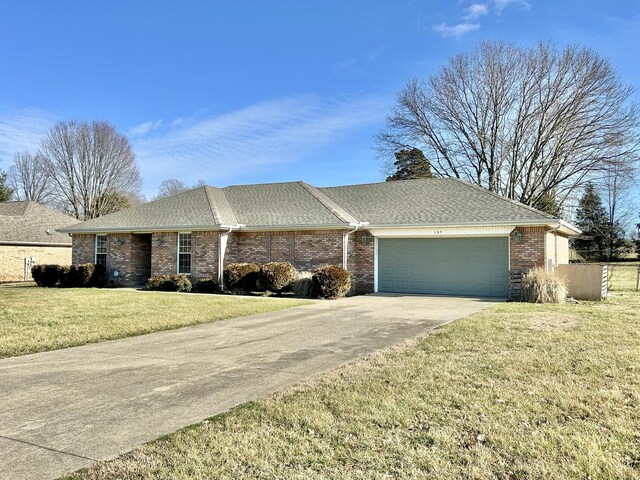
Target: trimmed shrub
x=276 y=276
x=332 y=281
x=302 y=285
x=206 y=285
x=83 y=276
x=45 y=275
x=241 y=276
x=540 y=286
x=66 y=278
x=93 y=275
x=170 y=283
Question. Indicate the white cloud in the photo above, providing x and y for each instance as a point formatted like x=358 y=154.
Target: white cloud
x=252 y=138
x=500 y=5
x=457 y=30
x=21 y=130
x=475 y=10
x=144 y=128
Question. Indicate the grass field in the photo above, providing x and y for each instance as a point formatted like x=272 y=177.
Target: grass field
x=623 y=276
x=36 y=319
x=518 y=391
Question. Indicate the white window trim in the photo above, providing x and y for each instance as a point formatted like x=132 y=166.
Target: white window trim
x=178 y=253
x=95 y=247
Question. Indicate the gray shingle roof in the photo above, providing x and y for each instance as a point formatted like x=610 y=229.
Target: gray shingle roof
x=430 y=201
x=185 y=210
x=32 y=223
x=300 y=205
x=280 y=204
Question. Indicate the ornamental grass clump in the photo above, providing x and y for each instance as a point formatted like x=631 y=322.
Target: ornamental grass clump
x=241 y=276
x=540 y=286
x=276 y=276
x=332 y=281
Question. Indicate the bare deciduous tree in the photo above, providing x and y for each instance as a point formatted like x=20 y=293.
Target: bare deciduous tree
x=522 y=122
x=90 y=165
x=29 y=178
x=171 y=186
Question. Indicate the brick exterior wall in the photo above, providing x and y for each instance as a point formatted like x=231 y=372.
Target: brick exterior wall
x=529 y=253
x=164 y=253
x=361 y=261
x=306 y=250
x=129 y=255
x=137 y=257
x=12 y=259
x=140 y=259
x=204 y=255
x=83 y=249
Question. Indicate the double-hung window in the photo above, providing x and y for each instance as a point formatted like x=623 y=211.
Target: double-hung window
x=184 y=253
x=101 y=250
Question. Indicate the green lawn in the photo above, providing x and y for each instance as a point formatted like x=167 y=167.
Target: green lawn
x=516 y=392
x=36 y=319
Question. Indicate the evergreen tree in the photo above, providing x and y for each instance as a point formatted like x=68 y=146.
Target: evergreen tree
x=549 y=204
x=5 y=191
x=601 y=239
x=410 y=164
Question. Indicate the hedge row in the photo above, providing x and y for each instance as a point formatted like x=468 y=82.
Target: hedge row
x=74 y=276
x=330 y=281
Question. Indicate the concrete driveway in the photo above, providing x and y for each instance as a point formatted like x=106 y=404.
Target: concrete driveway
x=66 y=409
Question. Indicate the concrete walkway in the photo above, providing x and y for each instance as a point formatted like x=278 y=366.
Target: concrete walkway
x=63 y=410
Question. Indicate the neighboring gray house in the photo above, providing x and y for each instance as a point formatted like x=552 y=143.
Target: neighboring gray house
x=435 y=236
x=29 y=230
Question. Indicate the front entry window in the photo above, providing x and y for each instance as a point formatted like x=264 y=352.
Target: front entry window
x=184 y=253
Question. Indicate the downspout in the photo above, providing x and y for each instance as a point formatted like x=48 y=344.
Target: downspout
x=345 y=242
x=222 y=249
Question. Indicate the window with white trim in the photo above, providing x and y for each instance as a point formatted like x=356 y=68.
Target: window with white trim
x=184 y=253
x=101 y=250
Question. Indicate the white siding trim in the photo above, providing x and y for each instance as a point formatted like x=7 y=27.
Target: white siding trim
x=443 y=232
x=375 y=264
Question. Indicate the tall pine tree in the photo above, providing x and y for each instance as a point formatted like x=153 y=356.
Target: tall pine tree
x=601 y=239
x=410 y=164
x=5 y=191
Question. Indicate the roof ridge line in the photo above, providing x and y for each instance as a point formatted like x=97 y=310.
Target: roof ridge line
x=329 y=204
x=510 y=200
x=215 y=212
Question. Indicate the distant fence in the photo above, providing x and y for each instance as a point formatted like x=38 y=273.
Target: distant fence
x=623 y=277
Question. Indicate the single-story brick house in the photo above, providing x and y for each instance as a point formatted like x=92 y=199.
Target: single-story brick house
x=28 y=231
x=436 y=236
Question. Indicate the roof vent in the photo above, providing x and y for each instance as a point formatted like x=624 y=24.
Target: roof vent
x=49 y=231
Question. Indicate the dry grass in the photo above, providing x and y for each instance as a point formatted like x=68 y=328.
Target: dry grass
x=540 y=286
x=491 y=396
x=623 y=277
x=36 y=319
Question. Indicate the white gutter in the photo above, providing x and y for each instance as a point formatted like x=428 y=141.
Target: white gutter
x=222 y=249
x=345 y=241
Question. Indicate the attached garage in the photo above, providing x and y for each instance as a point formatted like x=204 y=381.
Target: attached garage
x=444 y=266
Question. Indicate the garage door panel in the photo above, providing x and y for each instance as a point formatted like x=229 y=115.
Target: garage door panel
x=453 y=266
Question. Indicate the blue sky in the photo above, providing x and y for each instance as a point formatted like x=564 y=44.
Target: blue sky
x=243 y=92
